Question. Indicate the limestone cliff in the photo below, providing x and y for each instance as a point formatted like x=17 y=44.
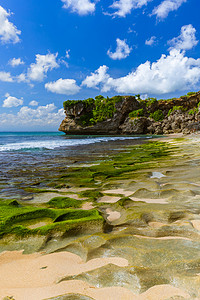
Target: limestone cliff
x=131 y=115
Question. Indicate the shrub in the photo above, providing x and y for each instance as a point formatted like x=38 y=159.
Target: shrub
x=157 y=115
x=136 y=113
x=181 y=108
x=193 y=111
x=117 y=99
x=151 y=101
x=191 y=93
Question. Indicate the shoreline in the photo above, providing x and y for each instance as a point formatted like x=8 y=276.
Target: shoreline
x=152 y=209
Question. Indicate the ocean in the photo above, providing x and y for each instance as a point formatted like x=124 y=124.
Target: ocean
x=27 y=157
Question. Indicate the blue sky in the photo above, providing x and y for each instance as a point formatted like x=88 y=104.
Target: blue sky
x=51 y=51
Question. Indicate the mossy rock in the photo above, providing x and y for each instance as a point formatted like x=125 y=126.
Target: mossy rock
x=65 y=202
x=91 y=194
x=77 y=214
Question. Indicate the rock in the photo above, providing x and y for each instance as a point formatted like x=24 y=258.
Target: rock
x=176 y=113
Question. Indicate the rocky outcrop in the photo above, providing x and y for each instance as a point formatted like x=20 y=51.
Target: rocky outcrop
x=148 y=117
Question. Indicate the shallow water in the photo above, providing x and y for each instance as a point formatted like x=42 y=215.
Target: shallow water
x=30 y=157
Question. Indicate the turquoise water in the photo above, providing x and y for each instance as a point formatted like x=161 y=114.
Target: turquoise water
x=31 y=141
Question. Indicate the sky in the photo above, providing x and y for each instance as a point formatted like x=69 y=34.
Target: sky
x=53 y=51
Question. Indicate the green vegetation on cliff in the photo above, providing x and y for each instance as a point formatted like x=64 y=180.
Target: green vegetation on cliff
x=98 y=109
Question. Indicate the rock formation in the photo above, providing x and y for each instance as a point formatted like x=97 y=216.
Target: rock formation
x=131 y=115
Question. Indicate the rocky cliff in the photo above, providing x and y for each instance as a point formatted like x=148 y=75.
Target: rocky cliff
x=131 y=115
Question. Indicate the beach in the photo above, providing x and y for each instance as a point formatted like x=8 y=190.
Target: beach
x=121 y=224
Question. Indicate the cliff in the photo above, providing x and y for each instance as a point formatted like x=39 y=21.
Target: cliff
x=131 y=115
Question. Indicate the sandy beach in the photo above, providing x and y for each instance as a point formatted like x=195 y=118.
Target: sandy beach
x=37 y=276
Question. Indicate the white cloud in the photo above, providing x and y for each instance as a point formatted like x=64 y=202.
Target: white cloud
x=6 y=77
x=161 y=11
x=186 y=40
x=125 y=7
x=8 y=31
x=22 y=78
x=12 y=101
x=63 y=86
x=67 y=53
x=151 y=41
x=100 y=76
x=47 y=116
x=37 y=71
x=81 y=7
x=16 y=62
x=170 y=73
x=33 y=103
x=122 y=51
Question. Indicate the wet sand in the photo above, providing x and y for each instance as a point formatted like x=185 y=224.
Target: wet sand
x=36 y=276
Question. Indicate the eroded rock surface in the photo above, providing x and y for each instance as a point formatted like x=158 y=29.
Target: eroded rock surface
x=151 y=117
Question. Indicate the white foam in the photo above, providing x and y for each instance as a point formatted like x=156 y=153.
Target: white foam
x=52 y=144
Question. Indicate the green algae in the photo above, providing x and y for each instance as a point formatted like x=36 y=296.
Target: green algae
x=65 y=202
x=91 y=194
x=15 y=219
x=135 y=158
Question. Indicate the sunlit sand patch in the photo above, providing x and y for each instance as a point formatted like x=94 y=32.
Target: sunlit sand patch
x=109 y=199
x=119 y=191
x=161 y=292
x=112 y=215
x=196 y=224
x=87 y=206
x=77 y=189
x=156 y=224
x=44 y=197
x=71 y=287
x=75 y=196
x=163 y=238
x=150 y=200
x=37 y=276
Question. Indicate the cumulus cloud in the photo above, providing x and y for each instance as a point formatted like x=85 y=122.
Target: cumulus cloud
x=151 y=41
x=81 y=7
x=168 y=74
x=6 y=77
x=124 y=7
x=33 y=103
x=22 y=78
x=100 y=76
x=38 y=70
x=186 y=40
x=8 y=31
x=161 y=11
x=63 y=86
x=122 y=51
x=48 y=115
x=12 y=101
x=16 y=62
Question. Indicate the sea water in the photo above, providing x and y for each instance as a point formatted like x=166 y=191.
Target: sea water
x=31 y=141
x=27 y=157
